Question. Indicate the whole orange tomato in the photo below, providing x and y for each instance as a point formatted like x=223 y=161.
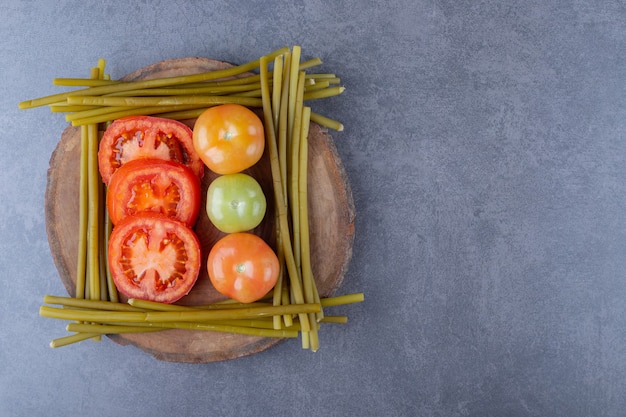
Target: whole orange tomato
x=243 y=267
x=229 y=138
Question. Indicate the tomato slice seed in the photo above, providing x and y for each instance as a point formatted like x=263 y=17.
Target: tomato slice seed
x=153 y=257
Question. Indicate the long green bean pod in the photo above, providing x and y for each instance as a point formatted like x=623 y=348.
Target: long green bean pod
x=81 y=82
x=74 y=338
x=176 y=100
x=83 y=197
x=111 y=288
x=283 y=124
x=127 y=111
x=323 y=93
x=294 y=72
x=294 y=276
x=304 y=236
x=88 y=304
x=277 y=82
x=294 y=157
x=313 y=62
x=98 y=316
x=157 y=82
x=308 y=282
x=326 y=122
x=93 y=250
x=109 y=328
x=342 y=300
x=224 y=328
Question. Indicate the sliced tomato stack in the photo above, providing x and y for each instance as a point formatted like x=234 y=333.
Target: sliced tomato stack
x=153 y=198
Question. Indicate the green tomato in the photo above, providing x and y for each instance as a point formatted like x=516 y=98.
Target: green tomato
x=235 y=203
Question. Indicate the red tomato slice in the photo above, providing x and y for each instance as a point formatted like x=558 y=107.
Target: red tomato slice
x=243 y=267
x=146 y=137
x=154 y=258
x=154 y=185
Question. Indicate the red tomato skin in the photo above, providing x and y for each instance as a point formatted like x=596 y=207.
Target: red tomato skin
x=243 y=266
x=142 y=241
x=141 y=185
x=229 y=138
x=146 y=137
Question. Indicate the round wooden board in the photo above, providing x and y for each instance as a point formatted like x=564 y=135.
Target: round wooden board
x=331 y=217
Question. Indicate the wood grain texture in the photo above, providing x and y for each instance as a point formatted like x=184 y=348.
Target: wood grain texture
x=331 y=212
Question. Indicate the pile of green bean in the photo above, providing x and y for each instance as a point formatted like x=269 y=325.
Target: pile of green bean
x=280 y=89
x=181 y=97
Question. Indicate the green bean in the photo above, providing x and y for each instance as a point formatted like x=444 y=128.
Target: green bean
x=302 y=238
x=179 y=91
x=277 y=82
x=293 y=170
x=320 y=85
x=259 y=323
x=90 y=304
x=283 y=124
x=326 y=122
x=279 y=95
x=111 y=288
x=193 y=113
x=310 y=63
x=66 y=108
x=68 y=340
x=324 y=93
x=93 y=252
x=250 y=331
x=147 y=305
x=102 y=232
x=241 y=79
x=293 y=86
x=156 y=306
x=198 y=100
x=126 y=112
x=342 y=299
x=320 y=76
x=335 y=319
x=99 y=316
x=101 y=329
x=157 y=82
x=81 y=82
x=83 y=112
x=280 y=282
x=251 y=93
x=303 y=218
x=294 y=278
x=287 y=319
x=334 y=80
x=83 y=198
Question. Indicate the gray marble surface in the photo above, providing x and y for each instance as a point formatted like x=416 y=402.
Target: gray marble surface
x=484 y=144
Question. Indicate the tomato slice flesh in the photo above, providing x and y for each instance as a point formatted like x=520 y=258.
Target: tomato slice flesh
x=154 y=258
x=154 y=185
x=151 y=194
x=132 y=145
x=147 y=137
x=163 y=264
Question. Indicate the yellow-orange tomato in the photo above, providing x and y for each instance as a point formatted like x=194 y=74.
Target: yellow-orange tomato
x=243 y=267
x=229 y=138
